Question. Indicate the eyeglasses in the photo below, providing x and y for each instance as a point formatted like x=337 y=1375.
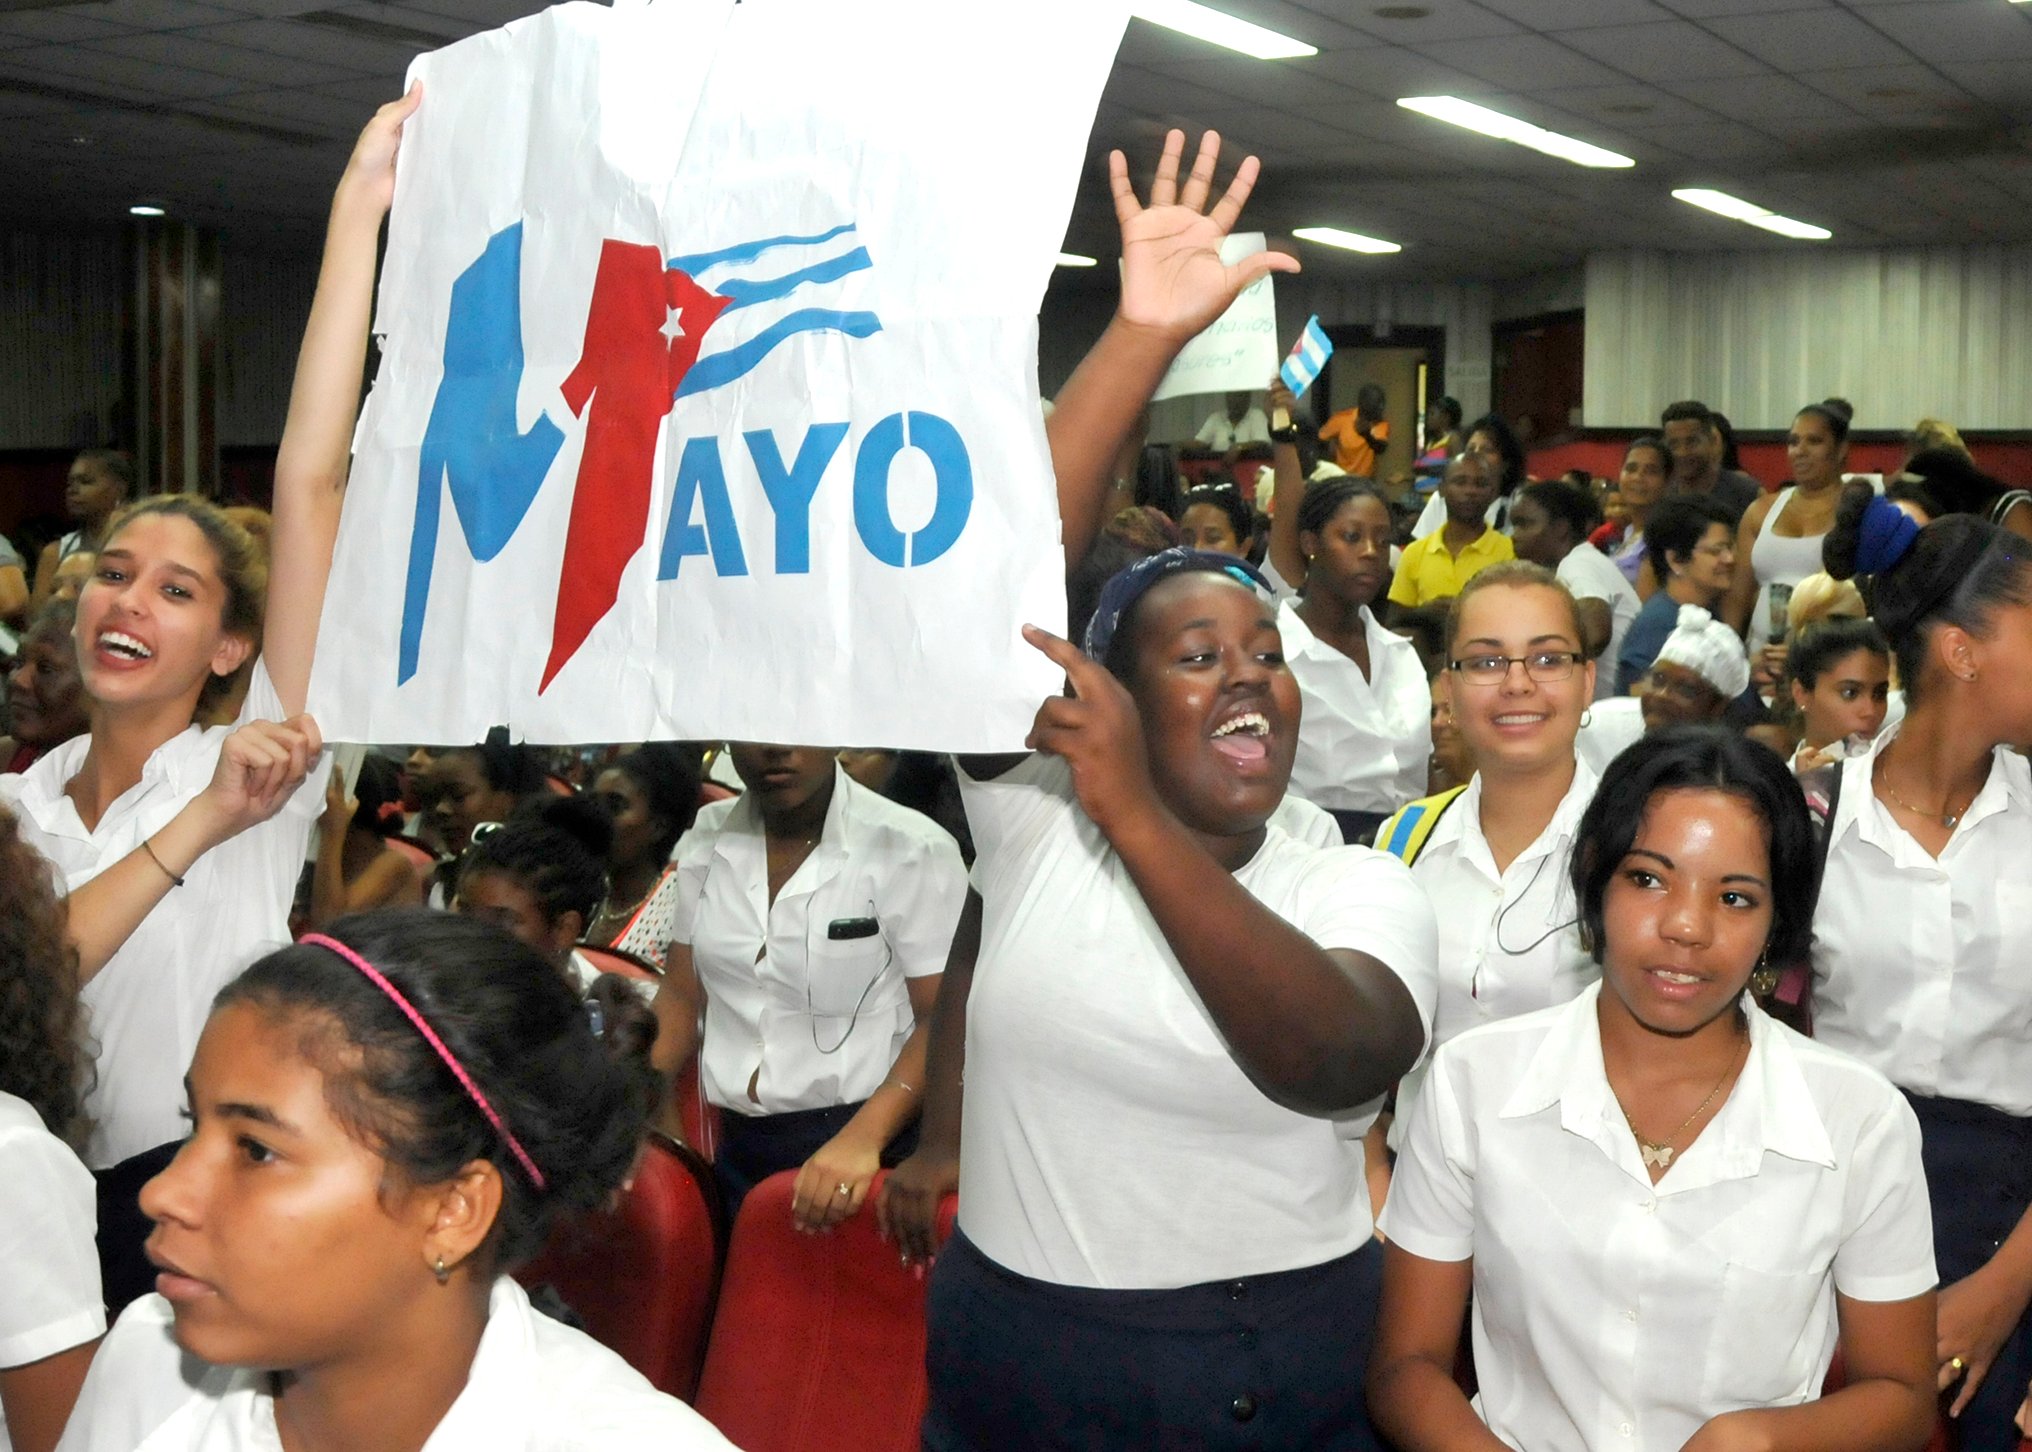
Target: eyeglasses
x=1543 y=666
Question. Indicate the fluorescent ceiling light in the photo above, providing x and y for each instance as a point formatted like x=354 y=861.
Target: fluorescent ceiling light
x=1736 y=209
x=1352 y=241
x=1455 y=111
x=1073 y=259
x=1203 y=22
x=143 y=209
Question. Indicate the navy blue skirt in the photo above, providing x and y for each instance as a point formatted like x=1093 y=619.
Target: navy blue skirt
x=1979 y=1181
x=1270 y=1361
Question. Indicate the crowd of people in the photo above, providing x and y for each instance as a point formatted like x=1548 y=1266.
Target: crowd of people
x=1526 y=967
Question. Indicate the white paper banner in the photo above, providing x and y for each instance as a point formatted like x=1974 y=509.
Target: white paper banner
x=708 y=400
x=1238 y=352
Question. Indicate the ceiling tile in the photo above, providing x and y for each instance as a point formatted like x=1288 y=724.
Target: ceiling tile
x=1760 y=98
x=55 y=27
x=117 y=77
x=1391 y=72
x=1948 y=32
x=155 y=14
x=1623 y=106
x=313 y=43
x=1801 y=39
x=1707 y=9
x=185 y=50
x=1673 y=50
x=1718 y=140
x=2003 y=83
x=1448 y=20
x=1241 y=77
x=1889 y=90
x=1518 y=62
x=1553 y=15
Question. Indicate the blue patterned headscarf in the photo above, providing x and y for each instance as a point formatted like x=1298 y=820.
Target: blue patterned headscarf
x=1131 y=584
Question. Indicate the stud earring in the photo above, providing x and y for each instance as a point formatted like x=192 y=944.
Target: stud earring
x=442 y=1271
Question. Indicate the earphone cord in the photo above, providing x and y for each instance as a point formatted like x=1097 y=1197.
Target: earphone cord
x=1513 y=905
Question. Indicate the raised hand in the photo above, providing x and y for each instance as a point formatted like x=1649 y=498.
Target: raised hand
x=371 y=169
x=260 y=765
x=1173 y=279
x=1098 y=733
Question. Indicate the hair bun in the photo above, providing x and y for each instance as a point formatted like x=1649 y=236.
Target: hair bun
x=1841 y=408
x=582 y=819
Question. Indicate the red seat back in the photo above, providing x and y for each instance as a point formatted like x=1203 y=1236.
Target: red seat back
x=643 y=1276
x=818 y=1342
x=701 y=1119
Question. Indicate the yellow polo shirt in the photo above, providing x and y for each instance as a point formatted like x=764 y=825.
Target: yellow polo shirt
x=1428 y=573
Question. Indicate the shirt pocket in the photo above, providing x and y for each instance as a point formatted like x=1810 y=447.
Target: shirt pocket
x=844 y=975
x=1773 y=1333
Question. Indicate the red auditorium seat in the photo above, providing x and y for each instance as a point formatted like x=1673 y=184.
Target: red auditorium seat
x=818 y=1342
x=642 y=1278
x=701 y=1120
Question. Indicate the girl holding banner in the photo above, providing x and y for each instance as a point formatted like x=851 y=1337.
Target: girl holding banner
x=180 y=845
x=1181 y=1018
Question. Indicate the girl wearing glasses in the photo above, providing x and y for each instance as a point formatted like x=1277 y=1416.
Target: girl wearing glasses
x=1670 y=1209
x=811 y=923
x=1495 y=863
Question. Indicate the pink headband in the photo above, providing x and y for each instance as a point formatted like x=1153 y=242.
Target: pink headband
x=380 y=981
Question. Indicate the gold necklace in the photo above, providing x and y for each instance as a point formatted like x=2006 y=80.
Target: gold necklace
x=1946 y=818
x=1660 y=1153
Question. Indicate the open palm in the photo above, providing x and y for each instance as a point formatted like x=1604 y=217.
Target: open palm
x=1173 y=278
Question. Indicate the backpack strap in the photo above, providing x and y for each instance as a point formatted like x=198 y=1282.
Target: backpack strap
x=1405 y=834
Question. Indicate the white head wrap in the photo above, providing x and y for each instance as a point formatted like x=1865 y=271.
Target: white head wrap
x=1710 y=650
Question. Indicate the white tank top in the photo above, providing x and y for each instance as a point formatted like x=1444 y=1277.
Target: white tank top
x=1778 y=559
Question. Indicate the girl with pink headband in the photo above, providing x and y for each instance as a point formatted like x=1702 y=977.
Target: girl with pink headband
x=386 y=1119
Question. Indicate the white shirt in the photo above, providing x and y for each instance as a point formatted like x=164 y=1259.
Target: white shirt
x=536 y=1385
x=1309 y=824
x=49 y=1265
x=1592 y=575
x=147 y=1006
x=1111 y=1138
x=1611 y=725
x=1220 y=435
x=820 y=1018
x=1363 y=744
x=1509 y=942
x=1609 y=1312
x=1919 y=965
x=1434 y=515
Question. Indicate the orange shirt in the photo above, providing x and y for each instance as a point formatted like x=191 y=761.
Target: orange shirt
x=1351 y=450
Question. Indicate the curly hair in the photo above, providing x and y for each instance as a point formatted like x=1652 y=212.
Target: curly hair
x=42 y=1056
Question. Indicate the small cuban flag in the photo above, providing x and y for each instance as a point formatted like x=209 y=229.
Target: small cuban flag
x=1308 y=356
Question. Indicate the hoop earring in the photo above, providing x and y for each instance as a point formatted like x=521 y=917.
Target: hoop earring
x=1587 y=717
x=442 y=1271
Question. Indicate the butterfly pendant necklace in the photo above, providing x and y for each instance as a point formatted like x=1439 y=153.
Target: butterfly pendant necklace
x=1659 y=1153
